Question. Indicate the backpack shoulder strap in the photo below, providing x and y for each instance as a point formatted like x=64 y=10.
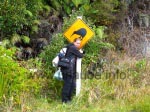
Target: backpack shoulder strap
x=63 y=50
x=67 y=51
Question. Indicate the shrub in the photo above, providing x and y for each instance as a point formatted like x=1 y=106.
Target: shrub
x=58 y=41
x=15 y=80
x=103 y=12
x=14 y=15
x=52 y=87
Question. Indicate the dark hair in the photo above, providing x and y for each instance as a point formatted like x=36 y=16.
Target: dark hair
x=76 y=39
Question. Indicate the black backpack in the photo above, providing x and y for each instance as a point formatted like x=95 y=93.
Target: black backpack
x=64 y=62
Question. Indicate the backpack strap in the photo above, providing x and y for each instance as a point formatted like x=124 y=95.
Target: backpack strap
x=63 y=51
x=66 y=51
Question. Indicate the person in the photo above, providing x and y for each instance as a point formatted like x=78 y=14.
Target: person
x=69 y=74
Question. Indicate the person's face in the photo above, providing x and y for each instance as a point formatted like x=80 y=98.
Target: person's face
x=77 y=43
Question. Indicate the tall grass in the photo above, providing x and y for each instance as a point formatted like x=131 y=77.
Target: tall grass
x=16 y=82
x=3 y=82
x=106 y=94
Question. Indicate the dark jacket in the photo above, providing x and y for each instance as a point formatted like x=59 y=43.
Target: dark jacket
x=72 y=54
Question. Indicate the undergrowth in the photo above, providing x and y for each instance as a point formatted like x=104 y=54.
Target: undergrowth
x=105 y=92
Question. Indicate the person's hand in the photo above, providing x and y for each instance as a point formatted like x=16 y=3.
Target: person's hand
x=81 y=51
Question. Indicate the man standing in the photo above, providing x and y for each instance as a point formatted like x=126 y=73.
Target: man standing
x=69 y=74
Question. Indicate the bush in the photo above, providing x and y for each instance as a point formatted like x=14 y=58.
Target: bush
x=14 y=15
x=15 y=80
x=52 y=87
x=96 y=44
x=102 y=12
x=58 y=41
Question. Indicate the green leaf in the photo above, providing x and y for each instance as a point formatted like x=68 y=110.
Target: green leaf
x=47 y=8
x=15 y=38
x=77 y=2
x=26 y=39
x=29 y=13
x=3 y=83
x=106 y=45
x=67 y=1
x=35 y=28
x=1 y=17
x=5 y=43
x=67 y=9
x=36 y=22
x=86 y=7
x=100 y=31
x=86 y=2
x=56 y=5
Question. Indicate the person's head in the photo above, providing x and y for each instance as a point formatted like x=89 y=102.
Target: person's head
x=77 y=42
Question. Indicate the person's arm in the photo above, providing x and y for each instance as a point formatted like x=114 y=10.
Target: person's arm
x=76 y=52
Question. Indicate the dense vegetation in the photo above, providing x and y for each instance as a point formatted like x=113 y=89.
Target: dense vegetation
x=31 y=35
